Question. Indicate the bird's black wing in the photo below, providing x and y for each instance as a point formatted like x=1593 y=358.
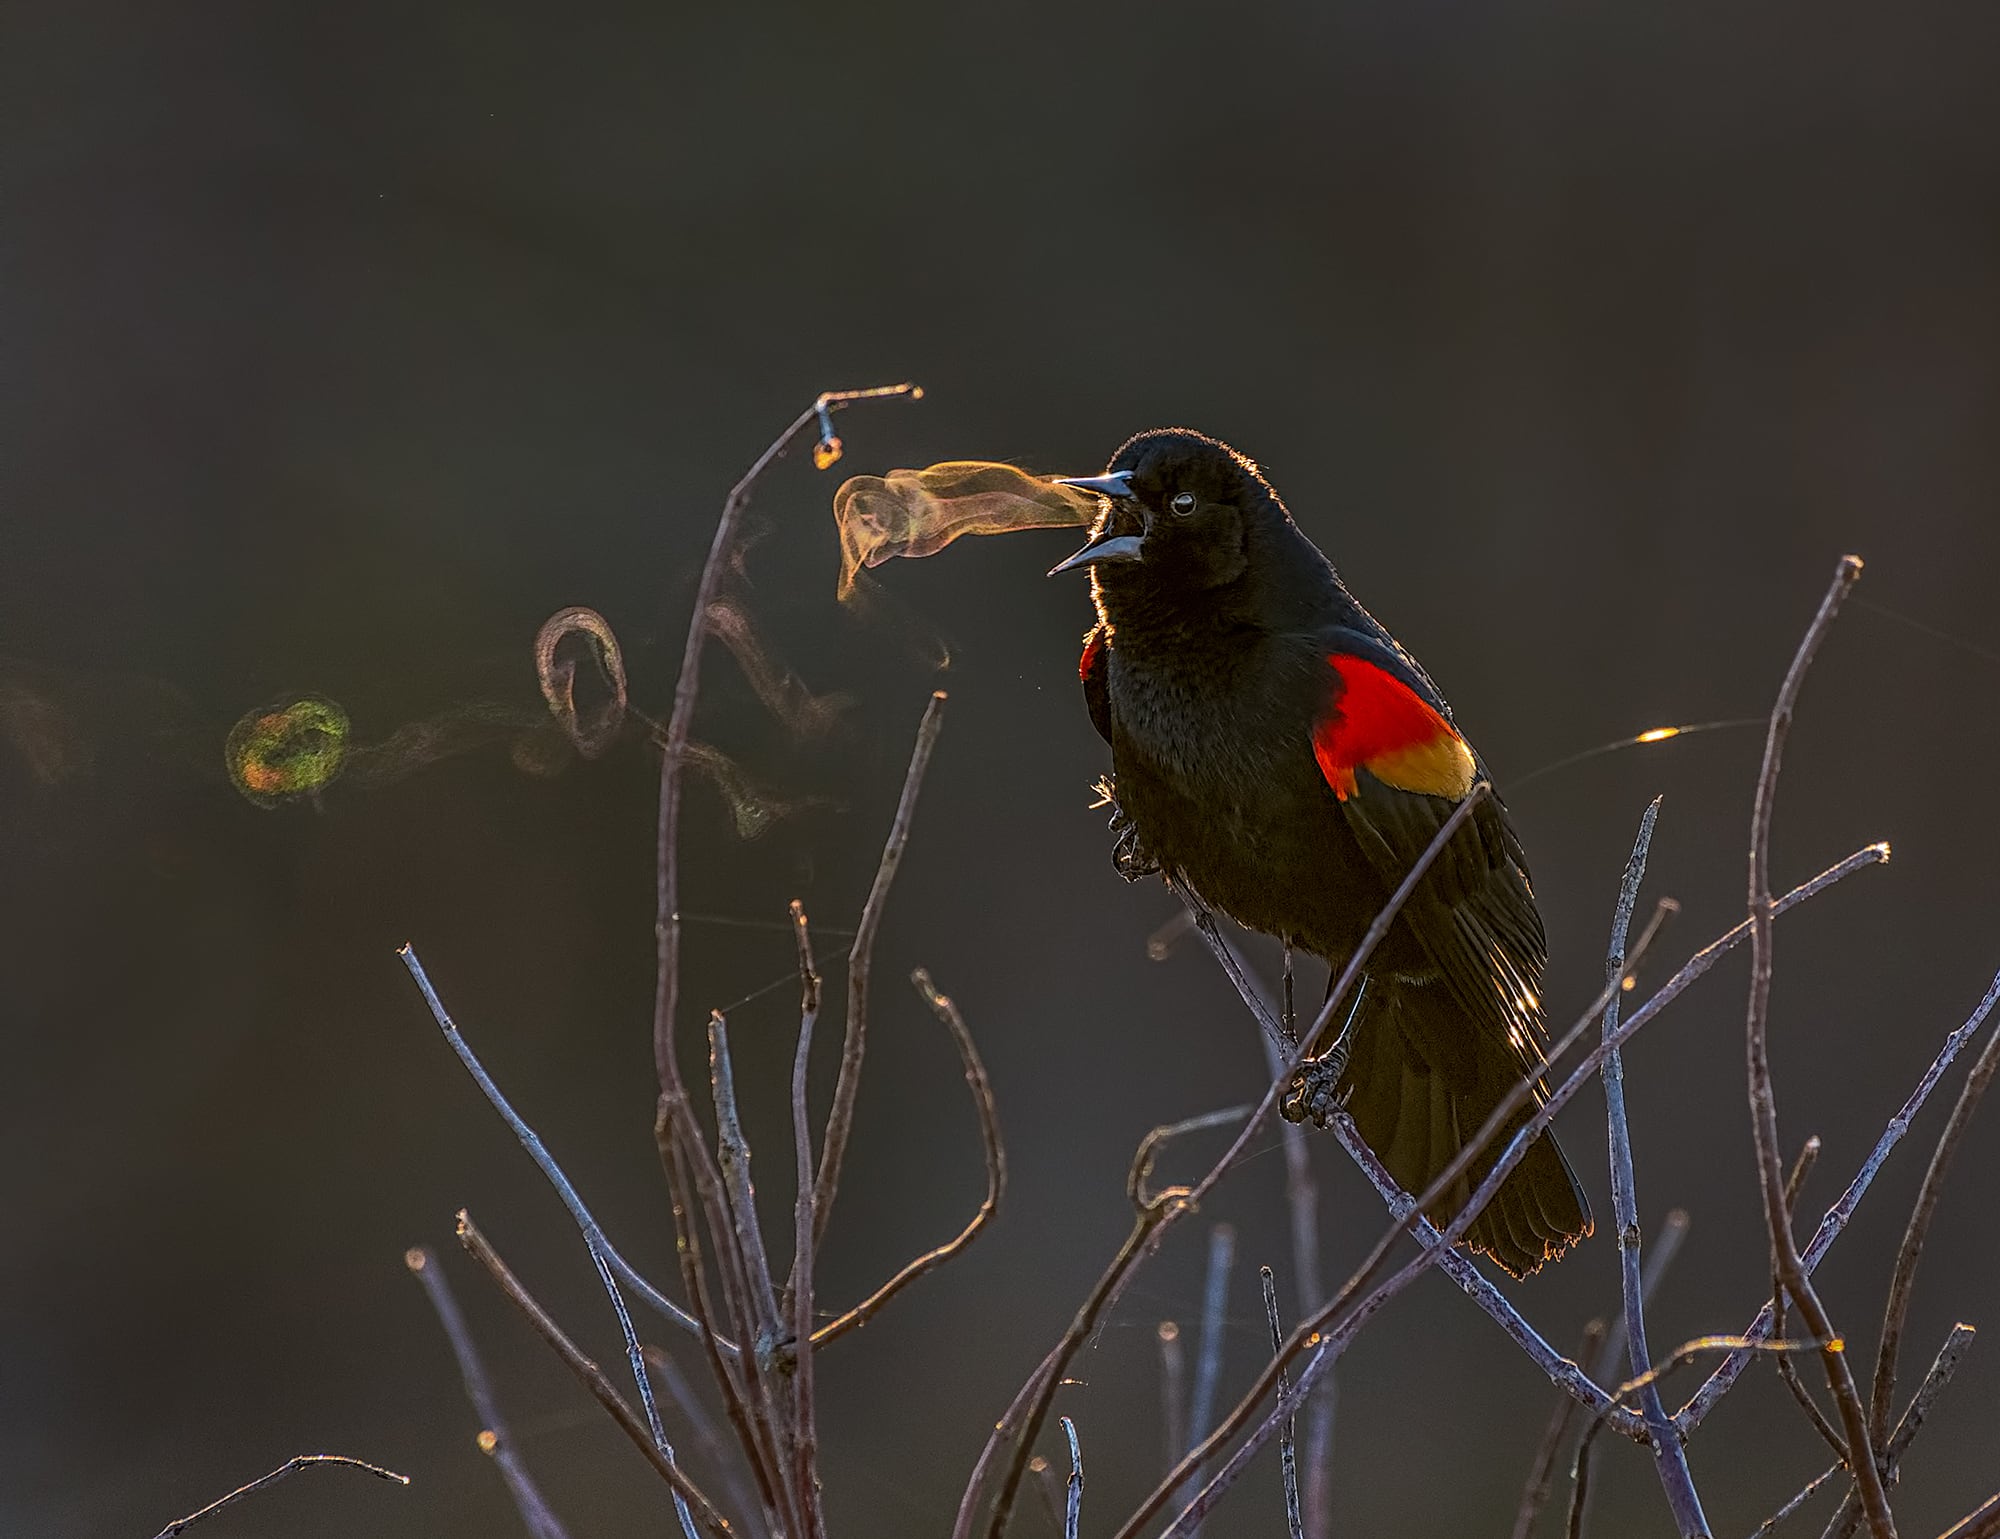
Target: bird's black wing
x=1474 y=913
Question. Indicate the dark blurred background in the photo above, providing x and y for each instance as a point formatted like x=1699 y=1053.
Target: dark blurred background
x=343 y=345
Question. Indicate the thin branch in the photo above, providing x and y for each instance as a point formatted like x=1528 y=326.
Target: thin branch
x=1288 y=1459
x=860 y=960
x=1836 y=1218
x=1903 y=1280
x=1334 y=1325
x=1073 y=1510
x=1214 y=1301
x=1668 y=1456
x=1788 y=1373
x=1173 y=1391
x=1682 y=1356
x=1302 y=1206
x=592 y=1377
x=1804 y=1494
x=713 y=1449
x=755 y=1400
x=731 y=1374
x=680 y=724
x=1022 y=1422
x=593 y=1233
x=732 y=1150
x=685 y=1158
x=1541 y=1473
x=1786 y=1260
x=1983 y=1522
x=494 y=1439
x=290 y=1466
x=799 y=1290
x=996 y=1171
x=1564 y=1374
x=608 y=1263
x=1848 y=1518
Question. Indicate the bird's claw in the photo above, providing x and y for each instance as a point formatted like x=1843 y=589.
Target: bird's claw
x=1315 y=1092
x=1129 y=858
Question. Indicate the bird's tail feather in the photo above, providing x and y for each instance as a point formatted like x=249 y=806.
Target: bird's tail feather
x=1417 y=1118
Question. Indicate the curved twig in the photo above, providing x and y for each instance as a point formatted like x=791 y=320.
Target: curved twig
x=996 y=1173
x=860 y=960
x=1786 y=1259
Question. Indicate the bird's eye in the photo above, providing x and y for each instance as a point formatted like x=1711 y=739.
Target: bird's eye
x=1183 y=503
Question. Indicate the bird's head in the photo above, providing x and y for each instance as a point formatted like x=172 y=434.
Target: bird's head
x=1182 y=516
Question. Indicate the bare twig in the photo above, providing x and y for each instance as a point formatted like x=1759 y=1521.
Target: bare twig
x=860 y=959
x=1804 y=1494
x=996 y=1171
x=289 y=1467
x=713 y=1450
x=731 y=1374
x=1288 y=1459
x=1023 y=1419
x=1302 y=1206
x=799 y=1290
x=1786 y=1259
x=1668 y=1456
x=747 y=1383
x=1560 y=1371
x=680 y=724
x=592 y=1377
x=1335 y=1324
x=1788 y=1373
x=1848 y=1517
x=1173 y=1392
x=494 y=1439
x=1836 y=1218
x=1666 y=1246
x=1541 y=1473
x=1682 y=1356
x=593 y=1234
x=608 y=1263
x=732 y=1150
x=1073 y=1509
x=1214 y=1302
x=685 y=1159
x=1903 y=1279
x=1983 y=1522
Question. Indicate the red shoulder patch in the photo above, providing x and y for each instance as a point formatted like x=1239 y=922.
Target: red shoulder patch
x=1378 y=723
x=1093 y=654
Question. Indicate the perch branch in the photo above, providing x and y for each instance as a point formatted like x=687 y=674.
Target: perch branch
x=1321 y=1330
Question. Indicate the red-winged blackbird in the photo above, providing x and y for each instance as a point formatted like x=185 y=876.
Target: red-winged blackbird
x=1279 y=755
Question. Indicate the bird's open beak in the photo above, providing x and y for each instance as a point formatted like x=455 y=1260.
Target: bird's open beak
x=1117 y=547
x=1120 y=547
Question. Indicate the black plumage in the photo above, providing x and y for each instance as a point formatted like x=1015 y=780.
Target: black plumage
x=1235 y=677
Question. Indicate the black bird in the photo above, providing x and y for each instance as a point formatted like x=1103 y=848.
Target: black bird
x=1278 y=754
